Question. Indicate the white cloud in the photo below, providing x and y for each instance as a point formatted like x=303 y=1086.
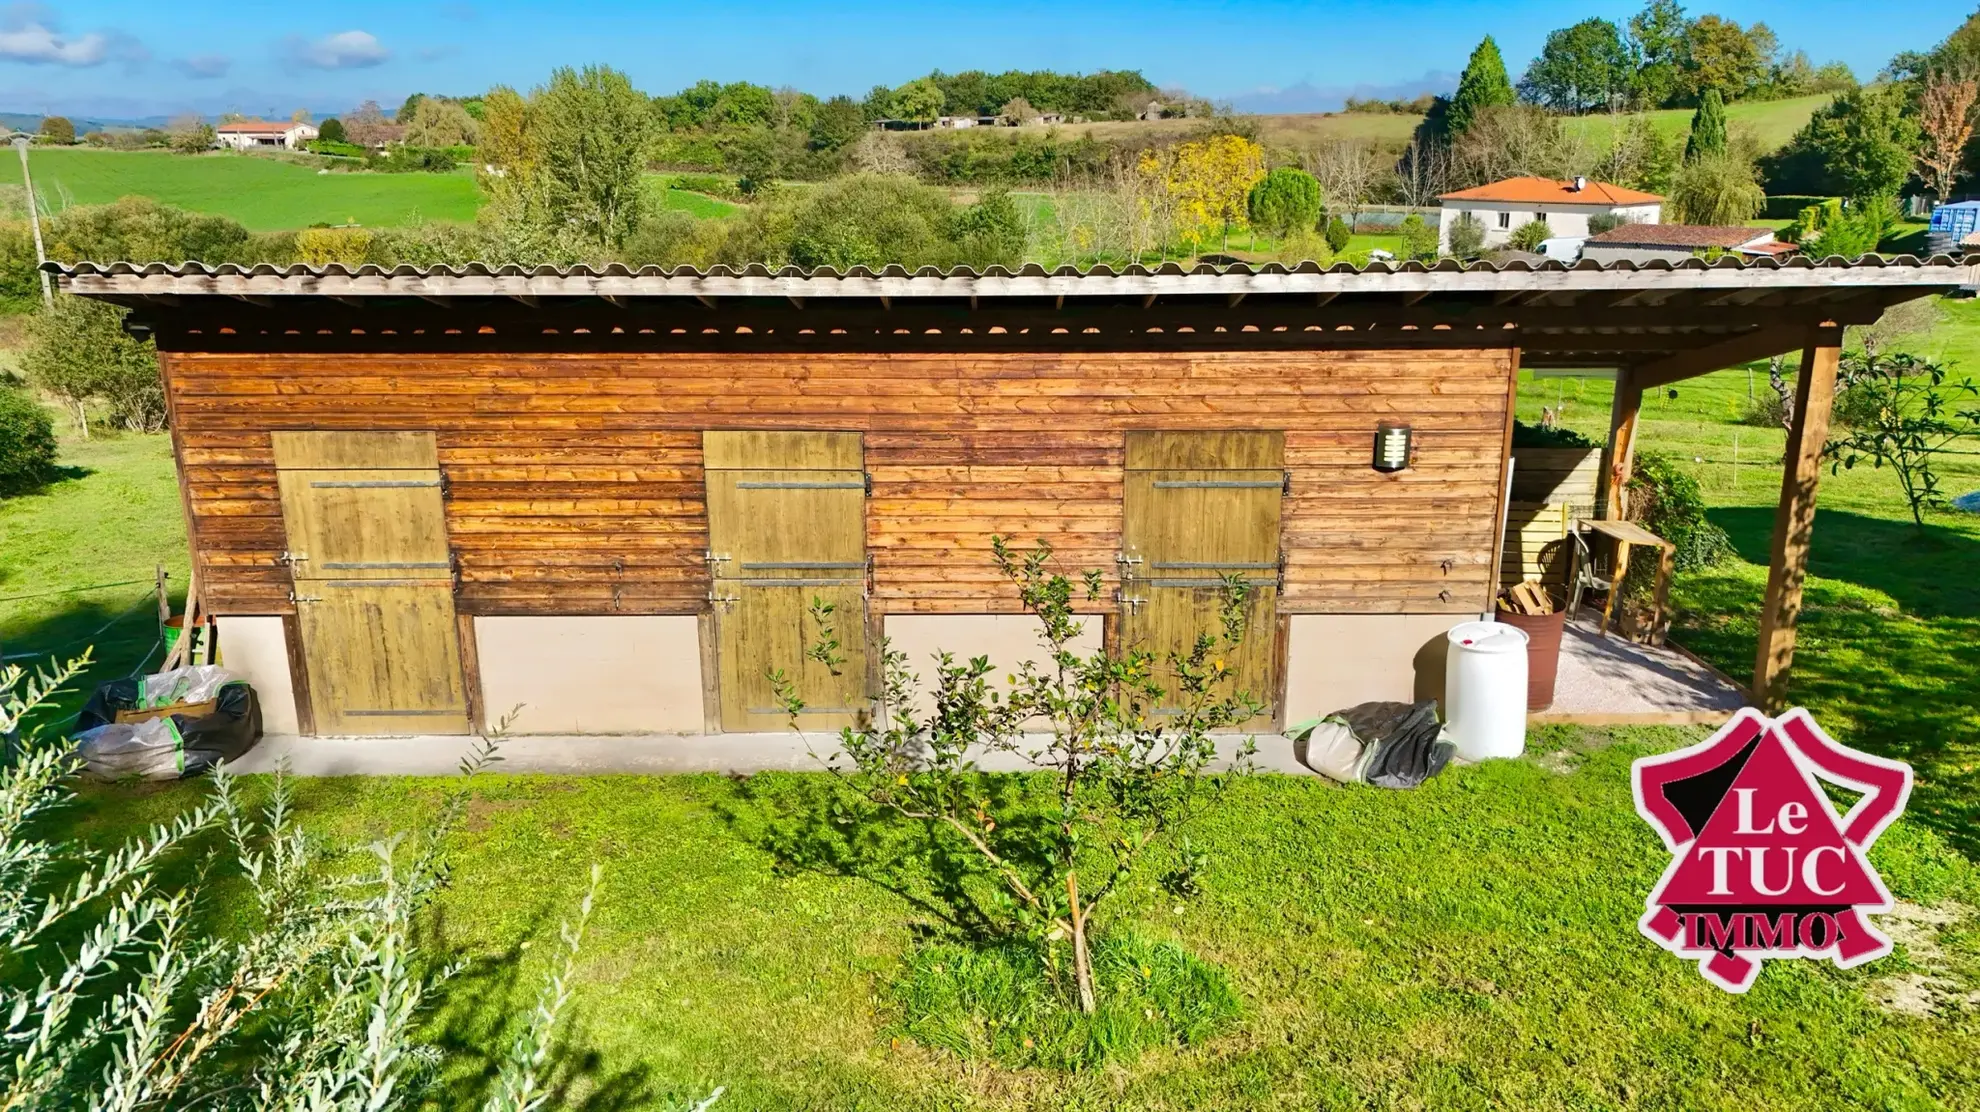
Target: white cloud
x=205 y=65
x=27 y=34
x=343 y=50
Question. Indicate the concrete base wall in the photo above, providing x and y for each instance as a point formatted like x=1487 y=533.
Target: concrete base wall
x=1007 y=639
x=1334 y=661
x=258 y=651
x=592 y=675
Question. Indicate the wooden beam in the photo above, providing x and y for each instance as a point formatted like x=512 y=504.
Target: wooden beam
x=1231 y=300
x=1745 y=348
x=1414 y=296
x=1320 y=299
x=526 y=299
x=1623 y=413
x=1147 y=301
x=706 y=301
x=1794 y=520
x=1505 y=482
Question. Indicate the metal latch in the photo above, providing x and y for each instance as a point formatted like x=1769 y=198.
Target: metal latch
x=722 y=600
x=710 y=556
x=294 y=597
x=1127 y=600
x=293 y=558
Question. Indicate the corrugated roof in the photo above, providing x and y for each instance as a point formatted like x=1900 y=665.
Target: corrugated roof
x=1680 y=235
x=1552 y=191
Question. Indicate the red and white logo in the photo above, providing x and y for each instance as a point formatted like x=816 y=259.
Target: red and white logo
x=1761 y=864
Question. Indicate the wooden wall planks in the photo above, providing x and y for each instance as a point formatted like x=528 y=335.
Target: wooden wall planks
x=576 y=481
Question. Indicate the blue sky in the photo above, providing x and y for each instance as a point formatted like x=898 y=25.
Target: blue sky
x=145 y=57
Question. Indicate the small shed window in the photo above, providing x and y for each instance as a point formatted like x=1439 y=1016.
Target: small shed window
x=1505 y=220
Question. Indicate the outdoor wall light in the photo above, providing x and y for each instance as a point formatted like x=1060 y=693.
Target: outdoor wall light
x=1391 y=447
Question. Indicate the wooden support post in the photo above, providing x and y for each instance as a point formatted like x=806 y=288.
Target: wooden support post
x=1622 y=439
x=1794 y=519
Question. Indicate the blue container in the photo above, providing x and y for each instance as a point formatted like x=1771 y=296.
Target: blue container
x=1956 y=221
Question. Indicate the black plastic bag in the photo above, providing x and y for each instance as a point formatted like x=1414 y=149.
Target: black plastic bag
x=169 y=747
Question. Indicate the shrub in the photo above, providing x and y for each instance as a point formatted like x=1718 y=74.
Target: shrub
x=715 y=185
x=320 y=246
x=1530 y=235
x=1338 y=235
x=862 y=220
x=989 y=233
x=1419 y=240
x=331 y=131
x=1285 y=201
x=1666 y=499
x=417 y=160
x=143 y=229
x=27 y=442
x=335 y=148
x=1606 y=222
x=673 y=239
x=314 y=995
x=1548 y=436
x=1467 y=238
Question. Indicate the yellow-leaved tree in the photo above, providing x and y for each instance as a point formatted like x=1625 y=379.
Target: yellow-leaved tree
x=1209 y=181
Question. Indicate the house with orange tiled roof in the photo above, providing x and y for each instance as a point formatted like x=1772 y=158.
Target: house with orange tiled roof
x=246 y=135
x=1566 y=205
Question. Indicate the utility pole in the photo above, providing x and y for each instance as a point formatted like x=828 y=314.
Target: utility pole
x=34 y=220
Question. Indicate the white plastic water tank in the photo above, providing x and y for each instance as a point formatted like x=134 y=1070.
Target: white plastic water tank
x=1485 y=690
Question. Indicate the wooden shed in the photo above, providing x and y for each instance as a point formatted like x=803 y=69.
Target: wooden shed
x=419 y=499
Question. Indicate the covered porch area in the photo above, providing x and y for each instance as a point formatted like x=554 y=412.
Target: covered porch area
x=1652 y=343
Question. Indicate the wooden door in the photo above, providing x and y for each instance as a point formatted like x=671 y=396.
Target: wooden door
x=1198 y=507
x=365 y=515
x=787 y=540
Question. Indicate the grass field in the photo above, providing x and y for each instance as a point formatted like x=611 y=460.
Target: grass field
x=1772 y=123
x=264 y=194
x=1470 y=944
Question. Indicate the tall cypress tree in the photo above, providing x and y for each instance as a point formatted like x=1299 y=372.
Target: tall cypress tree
x=1484 y=84
x=1708 y=127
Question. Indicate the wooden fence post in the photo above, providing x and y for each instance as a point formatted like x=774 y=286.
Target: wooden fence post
x=1794 y=518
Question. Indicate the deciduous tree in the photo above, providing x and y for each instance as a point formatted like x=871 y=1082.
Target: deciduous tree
x=1911 y=415
x=1656 y=46
x=58 y=130
x=1945 y=117
x=1862 y=144
x=1579 y=68
x=589 y=129
x=1718 y=188
x=920 y=100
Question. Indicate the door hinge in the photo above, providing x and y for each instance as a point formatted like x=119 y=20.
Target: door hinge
x=1285 y=482
x=868 y=476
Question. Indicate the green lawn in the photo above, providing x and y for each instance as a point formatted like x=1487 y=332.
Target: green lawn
x=698 y=205
x=1468 y=945
x=115 y=518
x=263 y=193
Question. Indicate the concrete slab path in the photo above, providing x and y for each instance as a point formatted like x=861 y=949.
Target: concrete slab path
x=652 y=754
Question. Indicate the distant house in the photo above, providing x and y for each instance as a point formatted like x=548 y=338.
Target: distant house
x=246 y=135
x=1641 y=243
x=1503 y=206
